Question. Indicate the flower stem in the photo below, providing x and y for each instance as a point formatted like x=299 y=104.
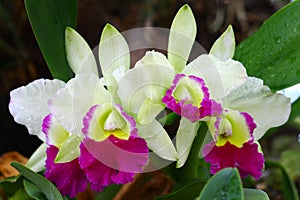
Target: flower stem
x=190 y=169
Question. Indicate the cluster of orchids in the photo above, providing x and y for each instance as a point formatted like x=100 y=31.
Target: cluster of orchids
x=102 y=131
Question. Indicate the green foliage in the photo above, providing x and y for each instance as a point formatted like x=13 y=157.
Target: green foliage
x=253 y=194
x=226 y=184
x=295 y=114
x=109 y=192
x=20 y=194
x=33 y=191
x=190 y=170
x=272 y=52
x=289 y=188
x=37 y=185
x=11 y=185
x=290 y=160
x=49 y=19
x=188 y=191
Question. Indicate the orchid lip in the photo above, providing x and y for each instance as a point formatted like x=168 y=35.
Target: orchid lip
x=189 y=97
x=233 y=126
x=104 y=120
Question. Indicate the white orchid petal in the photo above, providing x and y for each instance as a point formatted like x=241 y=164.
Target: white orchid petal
x=186 y=134
x=267 y=109
x=224 y=46
x=28 y=104
x=70 y=104
x=37 y=160
x=221 y=77
x=181 y=38
x=79 y=55
x=148 y=111
x=158 y=140
x=146 y=81
x=113 y=53
x=154 y=58
x=69 y=150
x=119 y=73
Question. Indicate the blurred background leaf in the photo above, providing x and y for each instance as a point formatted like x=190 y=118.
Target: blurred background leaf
x=289 y=188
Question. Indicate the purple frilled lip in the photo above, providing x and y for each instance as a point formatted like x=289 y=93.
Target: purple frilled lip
x=68 y=177
x=207 y=107
x=248 y=160
x=113 y=160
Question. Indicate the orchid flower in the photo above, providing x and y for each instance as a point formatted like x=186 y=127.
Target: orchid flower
x=249 y=111
x=85 y=127
x=192 y=90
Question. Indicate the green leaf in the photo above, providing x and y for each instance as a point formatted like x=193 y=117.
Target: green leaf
x=49 y=19
x=33 y=191
x=272 y=52
x=290 y=160
x=289 y=188
x=189 y=191
x=295 y=114
x=113 y=54
x=20 y=195
x=169 y=119
x=108 y=193
x=181 y=38
x=226 y=184
x=39 y=181
x=253 y=194
x=190 y=170
x=11 y=185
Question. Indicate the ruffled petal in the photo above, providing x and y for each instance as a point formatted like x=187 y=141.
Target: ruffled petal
x=189 y=97
x=221 y=77
x=247 y=159
x=224 y=46
x=28 y=104
x=70 y=104
x=267 y=109
x=112 y=160
x=68 y=177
